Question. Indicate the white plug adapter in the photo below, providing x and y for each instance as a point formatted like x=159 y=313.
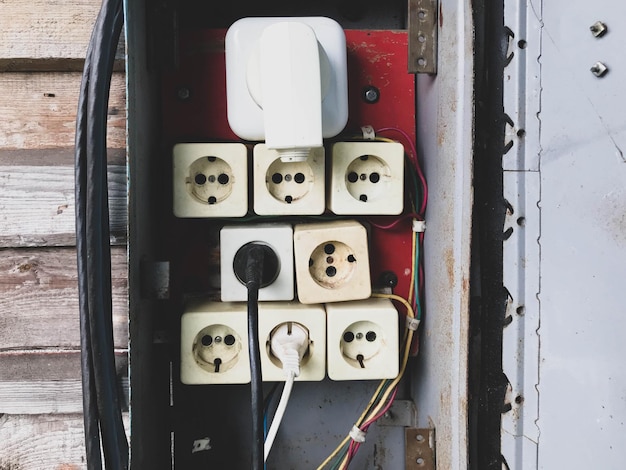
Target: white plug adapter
x=275 y=237
x=284 y=76
x=210 y=180
x=367 y=178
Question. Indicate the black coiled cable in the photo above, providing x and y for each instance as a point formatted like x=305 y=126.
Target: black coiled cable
x=101 y=400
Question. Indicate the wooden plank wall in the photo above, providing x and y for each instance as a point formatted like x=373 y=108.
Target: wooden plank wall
x=42 y=48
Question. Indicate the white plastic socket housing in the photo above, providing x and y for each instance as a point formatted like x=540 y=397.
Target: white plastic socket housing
x=279 y=237
x=332 y=262
x=214 y=343
x=288 y=188
x=313 y=319
x=367 y=178
x=210 y=180
x=286 y=82
x=362 y=340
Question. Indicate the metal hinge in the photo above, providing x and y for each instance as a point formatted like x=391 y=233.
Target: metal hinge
x=423 y=36
x=420 y=448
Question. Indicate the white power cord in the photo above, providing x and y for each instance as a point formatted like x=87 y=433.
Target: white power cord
x=289 y=343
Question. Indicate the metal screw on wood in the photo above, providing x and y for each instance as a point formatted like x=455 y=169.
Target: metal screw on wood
x=599 y=69
x=598 y=29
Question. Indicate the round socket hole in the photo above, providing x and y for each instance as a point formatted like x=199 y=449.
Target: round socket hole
x=217 y=348
x=367 y=177
x=210 y=180
x=332 y=272
x=288 y=182
x=360 y=342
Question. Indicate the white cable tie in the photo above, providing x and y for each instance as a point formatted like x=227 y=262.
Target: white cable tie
x=357 y=435
x=412 y=323
x=368 y=133
x=419 y=226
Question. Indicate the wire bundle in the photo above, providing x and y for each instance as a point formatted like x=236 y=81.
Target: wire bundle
x=384 y=395
x=101 y=400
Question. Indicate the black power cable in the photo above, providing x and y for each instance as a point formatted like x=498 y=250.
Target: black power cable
x=101 y=401
x=256 y=265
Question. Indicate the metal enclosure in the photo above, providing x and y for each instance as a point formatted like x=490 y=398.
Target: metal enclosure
x=438 y=377
x=565 y=262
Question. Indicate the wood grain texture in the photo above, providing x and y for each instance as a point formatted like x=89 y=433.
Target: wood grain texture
x=48 y=381
x=46 y=29
x=38 y=110
x=43 y=442
x=37 y=205
x=39 y=298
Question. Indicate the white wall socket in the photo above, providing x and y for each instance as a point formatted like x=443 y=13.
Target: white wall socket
x=288 y=188
x=367 y=178
x=362 y=340
x=210 y=180
x=313 y=318
x=332 y=262
x=214 y=343
x=279 y=237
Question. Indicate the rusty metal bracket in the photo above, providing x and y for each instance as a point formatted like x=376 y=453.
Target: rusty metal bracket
x=423 y=36
x=420 y=448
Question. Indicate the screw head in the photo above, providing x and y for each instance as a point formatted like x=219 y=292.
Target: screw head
x=371 y=94
x=598 y=29
x=183 y=93
x=599 y=69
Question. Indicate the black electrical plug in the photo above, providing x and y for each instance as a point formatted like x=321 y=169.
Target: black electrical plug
x=257 y=263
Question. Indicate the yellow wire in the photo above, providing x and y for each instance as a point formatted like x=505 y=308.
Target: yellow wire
x=413 y=249
x=405 y=359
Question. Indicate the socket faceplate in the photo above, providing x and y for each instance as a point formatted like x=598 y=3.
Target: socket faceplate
x=210 y=180
x=279 y=237
x=214 y=344
x=362 y=340
x=332 y=262
x=367 y=178
x=313 y=318
x=288 y=188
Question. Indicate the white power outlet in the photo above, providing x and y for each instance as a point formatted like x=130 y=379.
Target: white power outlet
x=288 y=188
x=332 y=262
x=362 y=340
x=367 y=178
x=279 y=238
x=210 y=180
x=313 y=319
x=214 y=343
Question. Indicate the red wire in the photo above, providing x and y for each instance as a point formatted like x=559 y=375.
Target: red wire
x=418 y=168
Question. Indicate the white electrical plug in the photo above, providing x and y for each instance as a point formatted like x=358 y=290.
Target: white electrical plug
x=275 y=318
x=288 y=188
x=277 y=238
x=289 y=342
x=362 y=340
x=367 y=178
x=332 y=262
x=210 y=180
x=214 y=343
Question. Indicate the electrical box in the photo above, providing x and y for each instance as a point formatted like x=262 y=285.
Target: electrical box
x=334 y=185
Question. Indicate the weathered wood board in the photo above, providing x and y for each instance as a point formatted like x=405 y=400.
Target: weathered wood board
x=43 y=442
x=38 y=110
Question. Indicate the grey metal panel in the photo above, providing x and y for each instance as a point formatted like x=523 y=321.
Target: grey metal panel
x=582 y=384
x=581 y=194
